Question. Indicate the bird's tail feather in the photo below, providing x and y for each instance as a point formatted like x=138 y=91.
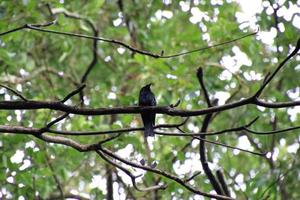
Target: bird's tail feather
x=149 y=130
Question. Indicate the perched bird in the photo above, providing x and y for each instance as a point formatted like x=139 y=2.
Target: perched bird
x=147 y=98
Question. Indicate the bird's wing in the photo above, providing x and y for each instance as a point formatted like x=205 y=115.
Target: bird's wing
x=153 y=100
x=152 y=118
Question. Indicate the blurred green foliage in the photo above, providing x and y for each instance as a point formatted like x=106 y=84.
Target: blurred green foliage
x=45 y=66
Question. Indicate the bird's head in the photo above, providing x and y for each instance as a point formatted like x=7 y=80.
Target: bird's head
x=148 y=86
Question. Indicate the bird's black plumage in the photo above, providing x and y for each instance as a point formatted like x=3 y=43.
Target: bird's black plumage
x=147 y=98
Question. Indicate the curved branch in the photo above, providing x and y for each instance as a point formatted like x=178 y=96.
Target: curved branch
x=271 y=132
x=163 y=173
x=128 y=173
x=79 y=89
x=192 y=177
x=202 y=151
x=268 y=77
x=54 y=12
x=276 y=104
x=39 y=27
x=14 y=91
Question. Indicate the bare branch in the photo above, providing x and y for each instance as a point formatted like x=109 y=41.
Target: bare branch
x=268 y=77
x=13 y=30
x=276 y=105
x=200 y=79
x=109 y=139
x=66 y=13
x=54 y=12
x=163 y=173
x=195 y=136
x=222 y=182
x=80 y=88
x=86 y=133
x=271 y=132
x=192 y=177
x=209 y=47
x=34 y=131
x=56 y=105
x=15 y=92
x=205 y=124
x=39 y=27
x=230 y=147
x=7 y=105
x=48 y=126
x=176 y=104
x=127 y=172
x=69 y=142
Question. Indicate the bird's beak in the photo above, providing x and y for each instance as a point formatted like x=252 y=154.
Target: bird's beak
x=149 y=85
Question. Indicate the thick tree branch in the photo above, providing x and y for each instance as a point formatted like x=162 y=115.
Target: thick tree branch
x=215 y=184
x=109 y=182
x=56 y=105
x=12 y=105
x=222 y=182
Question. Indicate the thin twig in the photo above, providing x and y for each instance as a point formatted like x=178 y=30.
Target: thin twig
x=80 y=88
x=54 y=12
x=37 y=27
x=271 y=132
x=192 y=177
x=210 y=46
x=14 y=91
x=270 y=77
x=58 y=184
x=230 y=147
x=48 y=126
x=86 y=133
x=109 y=139
x=290 y=169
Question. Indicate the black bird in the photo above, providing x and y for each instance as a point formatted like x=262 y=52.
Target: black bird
x=147 y=98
